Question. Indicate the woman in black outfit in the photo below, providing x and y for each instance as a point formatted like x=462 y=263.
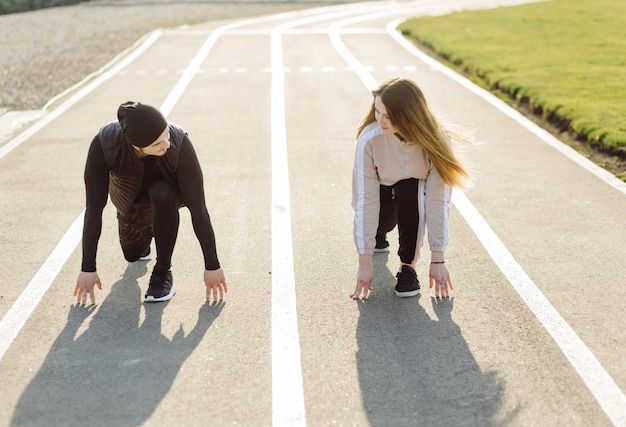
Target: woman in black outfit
x=149 y=169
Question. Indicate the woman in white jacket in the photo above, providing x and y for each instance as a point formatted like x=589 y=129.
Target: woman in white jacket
x=404 y=170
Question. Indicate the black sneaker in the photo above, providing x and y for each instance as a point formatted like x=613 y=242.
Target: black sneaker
x=382 y=245
x=408 y=285
x=161 y=286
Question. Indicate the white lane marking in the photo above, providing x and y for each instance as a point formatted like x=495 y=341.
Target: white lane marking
x=309 y=31
x=356 y=66
x=596 y=378
x=20 y=311
x=94 y=80
x=606 y=392
x=287 y=388
x=244 y=70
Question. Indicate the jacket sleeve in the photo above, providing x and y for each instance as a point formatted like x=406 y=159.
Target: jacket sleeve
x=365 y=198
x=191 y=187
x=437 y=210
x=97 y=191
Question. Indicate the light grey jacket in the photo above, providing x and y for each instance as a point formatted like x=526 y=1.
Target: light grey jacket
x=386 y=159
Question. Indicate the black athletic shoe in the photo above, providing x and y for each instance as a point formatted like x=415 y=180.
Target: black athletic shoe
x=161 y=286
x=382 y=245
x=408 y=285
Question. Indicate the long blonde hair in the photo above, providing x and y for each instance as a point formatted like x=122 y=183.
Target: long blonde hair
x=410 y=113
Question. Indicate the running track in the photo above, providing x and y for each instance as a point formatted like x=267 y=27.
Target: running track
x=533 y=335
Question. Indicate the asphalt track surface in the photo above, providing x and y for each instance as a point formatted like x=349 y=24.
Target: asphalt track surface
x=533 y=335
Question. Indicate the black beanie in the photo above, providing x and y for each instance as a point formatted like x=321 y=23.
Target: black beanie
x=141 y=124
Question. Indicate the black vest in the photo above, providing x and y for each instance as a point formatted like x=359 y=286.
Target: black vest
x=126 y=169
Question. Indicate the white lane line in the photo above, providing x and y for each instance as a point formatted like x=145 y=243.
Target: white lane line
x=20 y=311
x=307 y=31
x=287 y=387
x=245 y=70
x=596 y=378
x=606 y=392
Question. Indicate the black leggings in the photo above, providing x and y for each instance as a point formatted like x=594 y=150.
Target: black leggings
x=399 y=206
x=156 y=215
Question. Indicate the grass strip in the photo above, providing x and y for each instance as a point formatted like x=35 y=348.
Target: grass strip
x=563 y=59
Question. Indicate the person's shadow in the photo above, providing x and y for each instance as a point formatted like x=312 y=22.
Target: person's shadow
x=414 y=370
x=117 y=371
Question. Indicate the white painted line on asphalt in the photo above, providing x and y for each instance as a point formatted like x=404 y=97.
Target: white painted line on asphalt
x=101 y=76
x=334 y=32
x=287 y=388
x=596 y=378
x=307 y=31
x=20 y=311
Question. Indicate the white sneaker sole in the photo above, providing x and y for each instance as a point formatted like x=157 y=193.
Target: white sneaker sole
x=407 y=294
x=146 y=257
x=167 y=297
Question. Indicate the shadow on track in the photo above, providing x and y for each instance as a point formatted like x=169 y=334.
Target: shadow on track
x=117 y=371
x=414 y=370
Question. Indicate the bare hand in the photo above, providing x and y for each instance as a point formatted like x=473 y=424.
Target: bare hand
x=85 y=286
x=364 y=278
x=215 y=283
x=440 y=277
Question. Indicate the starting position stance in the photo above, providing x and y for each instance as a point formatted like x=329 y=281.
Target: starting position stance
x=404 y=169
x=149 y=168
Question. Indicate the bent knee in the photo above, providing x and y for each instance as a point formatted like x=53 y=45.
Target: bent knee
x=163 y=193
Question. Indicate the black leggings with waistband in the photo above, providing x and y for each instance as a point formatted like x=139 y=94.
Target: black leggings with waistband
x=399 y=206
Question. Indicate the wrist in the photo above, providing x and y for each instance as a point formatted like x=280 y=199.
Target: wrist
x=365 y=260
x=437 y=258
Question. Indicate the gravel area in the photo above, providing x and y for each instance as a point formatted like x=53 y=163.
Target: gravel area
x=46 y=51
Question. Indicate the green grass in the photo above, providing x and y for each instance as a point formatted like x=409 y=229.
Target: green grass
x=565 y=59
